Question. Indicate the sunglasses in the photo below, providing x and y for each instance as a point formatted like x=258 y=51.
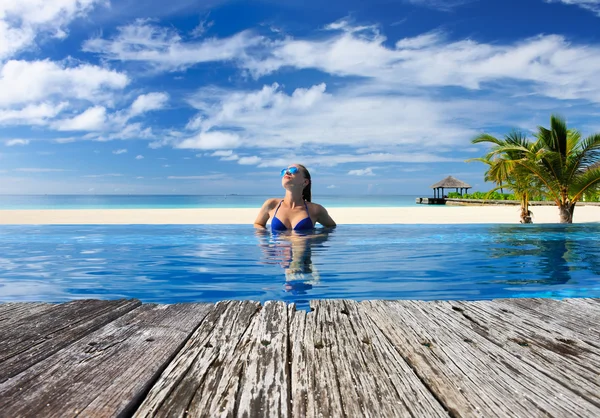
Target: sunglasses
x=291 y=170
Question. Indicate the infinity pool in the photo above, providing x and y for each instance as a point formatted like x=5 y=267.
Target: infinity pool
x=207 y=263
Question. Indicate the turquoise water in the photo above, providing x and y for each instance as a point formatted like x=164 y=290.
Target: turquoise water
x=204 y=263
x=183 y=201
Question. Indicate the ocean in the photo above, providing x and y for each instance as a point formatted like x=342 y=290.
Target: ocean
x=185 y=201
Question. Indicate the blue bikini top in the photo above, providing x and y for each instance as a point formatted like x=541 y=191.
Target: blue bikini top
x=306 y=223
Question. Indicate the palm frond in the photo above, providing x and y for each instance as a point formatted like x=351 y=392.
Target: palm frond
x=589 y=152
x=480 y=159
x=486 y=138
x=573 y=140
x=544 y=176
x=517 y=138
x=559 y=134
x=545 y=137
x=585 y=182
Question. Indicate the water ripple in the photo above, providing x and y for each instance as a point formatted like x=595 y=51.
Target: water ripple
x=201 y=263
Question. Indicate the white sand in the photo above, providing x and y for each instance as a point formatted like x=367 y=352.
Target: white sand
x=420 y=214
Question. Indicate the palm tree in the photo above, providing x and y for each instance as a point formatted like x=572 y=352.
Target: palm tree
x=505 y=171
x=565 y=164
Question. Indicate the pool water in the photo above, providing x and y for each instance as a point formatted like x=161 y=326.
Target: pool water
x=207 y=263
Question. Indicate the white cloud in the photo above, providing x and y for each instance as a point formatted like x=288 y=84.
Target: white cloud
x=270 y=118
x=165 y=49
x=92 y=119
x=222 y=153
x=362 y=172
x=25 y=82
x=332 y=186
x=139 y=157
x=420 y=41
x=249 y=160
x=40 y=170
x=22 y=21
x=34 y=114
x=65 y=140
x=202 y=177
x=148 y=102
x=443 y=5
x=103 y=175
x=119 y=151
x=202 y=27
x=210 y=140
x=330 y=160
x=226 y=155
x=428 y=60
x=232 y=157
x=591 y=5
x=116 y=130
x=13 y=142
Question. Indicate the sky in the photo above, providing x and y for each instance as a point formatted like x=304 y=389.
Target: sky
x=380 y=97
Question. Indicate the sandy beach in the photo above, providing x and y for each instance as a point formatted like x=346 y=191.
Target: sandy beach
x=343 y=216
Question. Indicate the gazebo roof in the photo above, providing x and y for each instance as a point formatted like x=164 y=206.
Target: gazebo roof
x=451 y=183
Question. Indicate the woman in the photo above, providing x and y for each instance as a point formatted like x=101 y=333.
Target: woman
x=295 y=211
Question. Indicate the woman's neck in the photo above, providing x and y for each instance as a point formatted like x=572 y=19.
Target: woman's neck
x=293 y=199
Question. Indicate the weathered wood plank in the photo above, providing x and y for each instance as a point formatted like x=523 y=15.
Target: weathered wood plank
x=384 y=384
x=550 y=349
x=38 y=336
x=470 y=379
x=204 y=377
x=568 y=315
x=585 y=305
x=264 y=389
x=314 y=390
x=107 y=372
x=15 y=312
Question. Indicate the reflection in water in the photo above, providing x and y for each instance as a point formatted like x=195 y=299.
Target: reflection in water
x=555 y=251
x=293 y=252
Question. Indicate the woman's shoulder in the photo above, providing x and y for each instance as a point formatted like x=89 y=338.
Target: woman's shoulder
x=315 y=207
x=271 y=202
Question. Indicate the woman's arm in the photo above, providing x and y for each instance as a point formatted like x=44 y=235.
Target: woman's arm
x=263 y=214
x=323 y=217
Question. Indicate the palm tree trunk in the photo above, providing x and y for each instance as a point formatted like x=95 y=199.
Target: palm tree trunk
x=526 y=216
x=566 y=213
x=525 y=212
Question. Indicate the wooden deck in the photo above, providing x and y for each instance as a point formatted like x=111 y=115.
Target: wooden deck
x=519 y=357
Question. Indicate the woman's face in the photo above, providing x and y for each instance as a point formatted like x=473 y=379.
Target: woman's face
x=295 y=180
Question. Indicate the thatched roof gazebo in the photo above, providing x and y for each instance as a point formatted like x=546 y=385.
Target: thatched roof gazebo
x=449 y=183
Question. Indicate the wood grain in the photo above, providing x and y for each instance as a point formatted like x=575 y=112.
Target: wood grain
x=107 y=372
x=205 y=375
x=471 y=375
x=38 y=336
x=15 y=312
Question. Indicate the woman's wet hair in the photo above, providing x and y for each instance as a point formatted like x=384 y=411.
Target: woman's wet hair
x=306 y=193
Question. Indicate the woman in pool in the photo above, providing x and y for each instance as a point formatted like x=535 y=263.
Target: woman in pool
x=295 y=211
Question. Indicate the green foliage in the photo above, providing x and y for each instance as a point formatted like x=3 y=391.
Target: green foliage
x=493 y=195
x=559 y=164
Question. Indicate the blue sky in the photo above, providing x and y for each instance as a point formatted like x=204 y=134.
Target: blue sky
x=379 y=97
